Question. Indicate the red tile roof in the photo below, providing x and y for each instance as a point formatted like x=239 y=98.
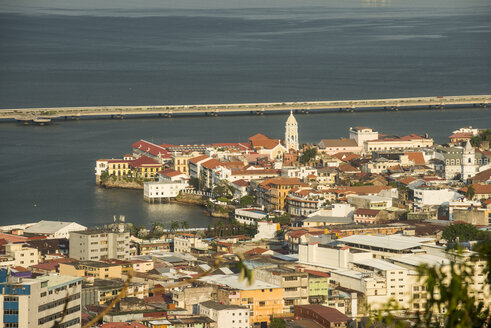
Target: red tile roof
x=417 y=158
x=170 y=173
x=150 y=148
x=317 y=273
x=261 y=141
x=482 y=176
x=256 y=251
x=123 y=325
x=337 y=143
x=144 y=161
x=479 y=189
x=211 y=164
x=196 y=160
x=13 y=238
x=330 y=315
x=241 y=183
x=366 y=211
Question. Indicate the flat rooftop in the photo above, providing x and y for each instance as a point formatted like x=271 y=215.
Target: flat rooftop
x=391 y=242
x=232 y=281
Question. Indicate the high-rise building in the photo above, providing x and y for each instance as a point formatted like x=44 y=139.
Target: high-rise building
x=291 y=133
x=97 y=244
x=39 y=302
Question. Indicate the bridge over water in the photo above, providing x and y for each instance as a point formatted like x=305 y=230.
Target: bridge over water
x=45 y=115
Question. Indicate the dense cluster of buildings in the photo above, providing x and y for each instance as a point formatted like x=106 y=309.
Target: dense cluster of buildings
x=341 y=228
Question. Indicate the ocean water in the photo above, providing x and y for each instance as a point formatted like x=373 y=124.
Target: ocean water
x=77 y=53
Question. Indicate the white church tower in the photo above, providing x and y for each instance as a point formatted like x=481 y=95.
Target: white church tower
x=291 y=133
x=469 y=167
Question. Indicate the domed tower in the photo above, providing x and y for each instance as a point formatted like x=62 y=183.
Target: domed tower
x=468 y=162
x=291 y=133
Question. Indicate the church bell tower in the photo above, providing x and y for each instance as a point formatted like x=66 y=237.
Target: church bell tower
x=291 y=133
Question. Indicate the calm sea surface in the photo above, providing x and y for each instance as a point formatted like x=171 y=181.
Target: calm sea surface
x=77 y=53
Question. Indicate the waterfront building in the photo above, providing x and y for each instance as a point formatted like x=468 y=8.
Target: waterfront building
x=115 y=167
x=96 y=244
x=225 y=315
x=170 y=184
x=195 y=165
x=53 y=229
x=250 y=215
x=180 y=161
x=40 y=302
x=145 y=167
x=148 y=149
x=291 y=133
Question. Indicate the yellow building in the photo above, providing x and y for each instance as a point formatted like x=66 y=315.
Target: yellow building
x=145 y=167
x=180 y=162
x=93 y=269
x=263 y=299
x=273 y=192
x=118 y=167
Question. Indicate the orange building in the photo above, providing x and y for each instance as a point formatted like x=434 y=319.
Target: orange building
x=263 y=299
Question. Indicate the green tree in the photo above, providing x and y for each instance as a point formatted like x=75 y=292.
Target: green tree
x=174 y=225
x=194 y=182
x=485 y=135
x=246 y=201
x=185 y=225
x=469 y=194
x=278 y=323
x=451 y=303
x=462 y=231
x=308 y=154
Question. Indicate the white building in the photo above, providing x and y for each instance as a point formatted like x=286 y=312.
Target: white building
x=266 y=230
x=434 y=197
x=362 y=134
x=291 y=133
x=186 y=242
x=250 y=215
x=54 y=229
x=100 y=244
x=398 y=143
x=39 y=302
x=225 y=316
x=169 y=185
x=330 y=256
x=23 y=256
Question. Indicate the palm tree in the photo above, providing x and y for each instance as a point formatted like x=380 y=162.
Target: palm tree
x=185 y=225
x=174 y=226
x=470 y=192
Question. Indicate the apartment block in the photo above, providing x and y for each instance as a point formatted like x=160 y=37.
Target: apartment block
x=100 y=244
x=39 y=302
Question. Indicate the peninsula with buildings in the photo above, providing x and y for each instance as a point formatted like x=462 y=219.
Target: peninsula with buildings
x=329 y=234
